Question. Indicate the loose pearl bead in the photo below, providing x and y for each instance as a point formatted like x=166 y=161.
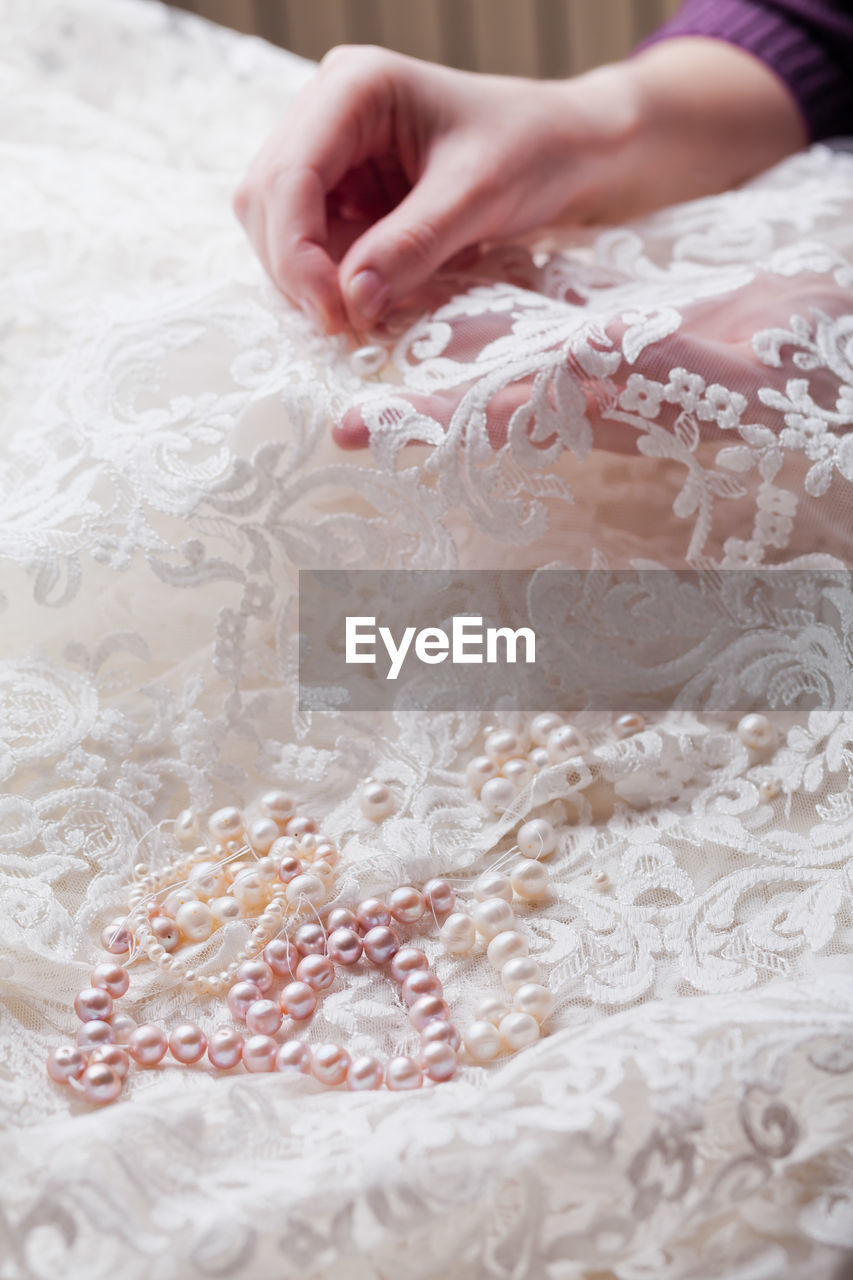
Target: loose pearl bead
x=565 y=743
x=329 y=1064
x=225 y=823
x=478 y=772
x=631 y=722
x=505 y=946
x=277 y=805
x=458 y=934
x=324 y=870
x=769 y=791
x=492 y=917
x=428 y=1009
x=263 y=1018
x=100 y=1083
x=282 y=957
x=208 y=880
x=298 y=1000
x=439 y=1060
x=530 y=880
x=534 y=999
x=235 y=869
x=256 y=971
x=341 y=918
x=536 y=839
x=326 y=852
x=186 y=826
x=259 y=1053
x=380 y=945
x=371 y=913
x=756 y=732
x=408 y=960
x=114 y=1057
x=420 y=982
x=369 y=360
x=519 y=1030
x=240 y=997
x=195 y=921
x=403 y=1073
x=262 y=834
x=543 y=725
x=300 y=825
x=345 y=946
x=188 y=1043
x=518 y=971
x=483 y=1041
x=364 y=1073
x=491 y=1009
x=289 y=868
x=375 y=801
x=147 y=1046
x=317 y=971
x=68 y=1062
x=310 y=939
x=225 y=1048
x=123 y=1027
x=166 y=932
x=539 y=758
x=518 y=770
x=95 y=1033
x=501 y=745
x=443 y=1031
x=407 y=905
x=113 y=978
x=600 y=880
x=491 y=884
x=306 y=888
x=294 y=1056
x=440 y=895
x=250 y=889
x=497 y=795
x=93 y=1002
x=117 y=938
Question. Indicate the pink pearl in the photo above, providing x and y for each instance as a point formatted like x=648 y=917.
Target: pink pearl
x=282 y=957
x=345 y=946
x=117 y=938
x=372 y=914
x=381 y=944
x=93 y=1002
x=439 y=895
x=341 y=918
x=428 y=1009
x=407 y=905
x=259 y=1053
x=289 y=868
x=166 y=932
x=403 y=1073
x=225 y=1048
x=188 y=1043
x=123 y=1027
x=241 y=995
x=330 y=1063
x=257 y=971
x=147 y=1046
x=439 y=1060
x=114 y=1057
x=364 y=1073
x=298 y=1000
x=310 y=940
x=95 y=1033
x=300 y=826
x=112 y=978
x=443 y=1032
x=293 y=1056
x=68 y=1062
x=406 y=961
x=100 y=1083
x=263 y=1018
x=317 y=971
x=420 y=982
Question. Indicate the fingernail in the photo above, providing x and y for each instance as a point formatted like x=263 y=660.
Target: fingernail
x=368 y=293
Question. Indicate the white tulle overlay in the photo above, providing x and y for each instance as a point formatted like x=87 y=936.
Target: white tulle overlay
x=678 y=393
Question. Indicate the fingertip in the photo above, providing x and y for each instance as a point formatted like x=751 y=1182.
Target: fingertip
x=351 y=432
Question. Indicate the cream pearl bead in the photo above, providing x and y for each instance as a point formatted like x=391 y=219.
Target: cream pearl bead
x=323 y=869
x=458 y=933
x=497 y=795
x=536 y=838
x=501 y=745
x=518 y=971
x=506 y=946
x=262 y=834
x=187 y=826
x=492 y=917
x=756 y=732
x=251 y=890
x=519 y=771
x=483 y=1041
x=277 y=805
x=491 y=1009
x=306 y=888
x=769 y=791
x=225 y=909
x=565 y=743
x=518 y=1030
x=539 y=758
x=176 y=899
x=543 y=725
x=479 y=771
x=225 y=823
x=629 y=723
x=375 y=800
x=600 y=881
x=492 y=884
x=207 y=880
x=534 y=999
x=195 y=921
x=530 y=879
x=367 y=361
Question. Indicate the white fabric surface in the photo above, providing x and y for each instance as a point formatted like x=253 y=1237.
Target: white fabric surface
x=166 y=467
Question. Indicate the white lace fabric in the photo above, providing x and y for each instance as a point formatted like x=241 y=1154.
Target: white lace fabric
x=674 y=393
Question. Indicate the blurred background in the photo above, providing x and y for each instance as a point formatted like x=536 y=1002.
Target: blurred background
x=516 y=37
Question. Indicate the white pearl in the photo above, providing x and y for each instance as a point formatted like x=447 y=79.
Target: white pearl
x=497 y=794
x=277 y=805
x=534 y=999
x=186 y=826
x=519 y=1030
x=458 y=933
x=375 y=800
x=208 y=880
x=225 y=822
x=491 y=884
x=565 y=743
x=479 y=770
x=195 y=921
x=756 y=732
x=306 y=887
x=519 y=970
x=501 y=745
x=769 y=791
x=225 y=909
x=542 y=725
x=536 y=839
x=483 y=1041
x=366 y=361
x=630 y=722
x=539 y=758
x=601 y=880
x=491 y=1009
x=530 y=879
x=176 y=899
x=250 y=889
x=323 y=870
x=519 y=771
x=506 y=946
x=492 y=917
x=262 y=834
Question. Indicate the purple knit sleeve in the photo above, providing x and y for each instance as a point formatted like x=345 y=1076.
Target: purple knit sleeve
x=807 y=43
